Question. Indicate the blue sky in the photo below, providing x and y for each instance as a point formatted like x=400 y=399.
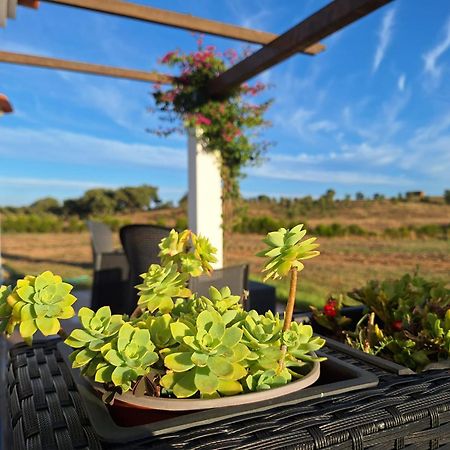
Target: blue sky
x=370 y=114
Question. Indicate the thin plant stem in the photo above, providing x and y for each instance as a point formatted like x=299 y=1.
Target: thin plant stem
x=288 y=313
x=62 y=334
x=136 y=313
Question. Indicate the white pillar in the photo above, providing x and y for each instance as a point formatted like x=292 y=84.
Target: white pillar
x=205 y=194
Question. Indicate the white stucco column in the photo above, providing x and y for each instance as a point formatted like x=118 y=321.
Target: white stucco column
x=205 y=194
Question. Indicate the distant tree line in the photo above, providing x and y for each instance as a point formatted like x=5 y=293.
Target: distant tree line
x=94 y=202
x=265 y=224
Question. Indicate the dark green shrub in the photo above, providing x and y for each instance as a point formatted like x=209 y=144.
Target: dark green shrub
x=181 y=223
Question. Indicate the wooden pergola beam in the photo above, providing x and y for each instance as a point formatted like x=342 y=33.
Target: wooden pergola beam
x=75 y=66
x=324 y=22
x=180 y=20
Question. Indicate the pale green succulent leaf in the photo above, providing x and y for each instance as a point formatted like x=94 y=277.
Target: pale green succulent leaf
x=229 y=387
x=179 y=361
x=205 y=381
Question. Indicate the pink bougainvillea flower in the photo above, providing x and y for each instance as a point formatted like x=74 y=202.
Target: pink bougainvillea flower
x=168 y=56
x=202 y=120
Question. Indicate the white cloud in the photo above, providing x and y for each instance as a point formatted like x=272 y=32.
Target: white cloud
x=322 y=125
x=431 y=58
x=57 y=145
x=401 y=82
x=329 y=176
x=384 y=38
x=51 y=182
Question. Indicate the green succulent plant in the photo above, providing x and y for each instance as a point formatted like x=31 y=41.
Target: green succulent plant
x=161 y=284
x=204 y=251
x=410 y=321
x=176 y=343
x=38 y=303
x=192 y=254
x=6 y=320
x=262 y=331
x=98 y=329
x=127 y=357
x=159 y=327
x=210 y=358
x=263 y=380
x=286 y=250
x=223 y=300
x=301 y=343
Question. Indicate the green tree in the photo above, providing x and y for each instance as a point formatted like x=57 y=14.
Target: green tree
x=46 y=205
x=129 y=199
x=447 y=196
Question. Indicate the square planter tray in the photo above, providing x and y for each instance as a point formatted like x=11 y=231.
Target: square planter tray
x=373 y=360
x=354 y=313
x=336 y=377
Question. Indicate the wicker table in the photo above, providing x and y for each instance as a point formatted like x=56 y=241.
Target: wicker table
x=45 y=411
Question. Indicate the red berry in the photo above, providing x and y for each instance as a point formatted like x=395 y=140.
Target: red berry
x=330 y=308
x=397 y=325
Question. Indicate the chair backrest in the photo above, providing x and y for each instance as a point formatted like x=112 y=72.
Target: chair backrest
x=101 y=237
x=140 y=244
x=235 y=277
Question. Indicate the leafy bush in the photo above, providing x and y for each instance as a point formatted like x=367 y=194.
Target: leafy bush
x=181 y=223
x=260 y=225
x=407 y=321
x=31 y=223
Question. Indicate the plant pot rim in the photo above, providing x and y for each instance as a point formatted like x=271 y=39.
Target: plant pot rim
x=187 y=404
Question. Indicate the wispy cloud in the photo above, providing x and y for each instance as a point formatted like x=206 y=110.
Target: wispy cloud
x=401 y=82
x=50 y=182
x=57 y=145
x=431 y=58
x=330 y=176
x=384 y=38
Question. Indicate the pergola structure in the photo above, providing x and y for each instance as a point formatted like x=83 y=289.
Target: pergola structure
x=204 y=200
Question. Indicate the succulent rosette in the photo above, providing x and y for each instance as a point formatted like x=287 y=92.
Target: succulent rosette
x=223 y=300
x=301 y=343
x=209 y=360
x=191 y=254
x=161 y=284
x=261 y=331
x=39 y=303
x=6 y=320
x=204 y=251
x=287 y=251
x=98 y=329
x=127 y=357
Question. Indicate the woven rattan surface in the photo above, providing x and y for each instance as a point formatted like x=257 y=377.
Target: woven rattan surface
x=402 y=412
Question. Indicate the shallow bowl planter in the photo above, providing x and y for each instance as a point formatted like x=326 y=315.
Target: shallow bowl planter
x=193 y=404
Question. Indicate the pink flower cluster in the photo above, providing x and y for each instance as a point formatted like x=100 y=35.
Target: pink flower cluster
x=168 y=57
x=200 y=119
x=230 y=132
x=253 y=90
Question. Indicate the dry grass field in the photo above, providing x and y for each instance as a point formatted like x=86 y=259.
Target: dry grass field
x=345 y=263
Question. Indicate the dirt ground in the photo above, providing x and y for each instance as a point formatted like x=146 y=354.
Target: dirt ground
x=344 y=263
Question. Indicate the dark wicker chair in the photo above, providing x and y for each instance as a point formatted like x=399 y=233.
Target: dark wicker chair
x=140 y=243
x=235 y=277
x=110 y=269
